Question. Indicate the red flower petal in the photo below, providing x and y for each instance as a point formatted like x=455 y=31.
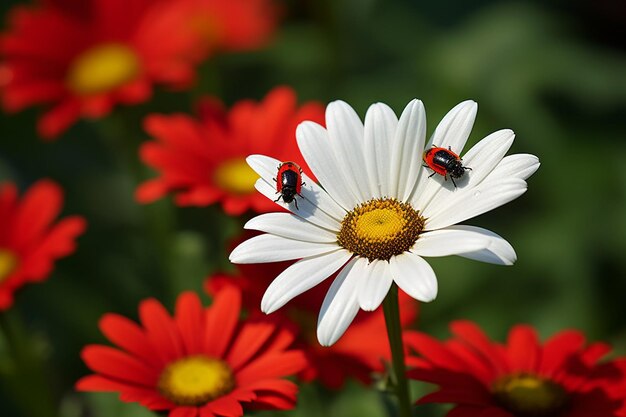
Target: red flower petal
x=184 y=412
x=557 y=349
x=161 y=330
x=190 y=321
x=58 y=242
x=271 y=366
x=58 y=119
x=226 y=406
x=523 y=349
x=457 y=396
x=130 y=337
x=8 y=202
x=128 y=392
x=471 y=334
x=119 y=365
x=221 y=321
x=249 y=341
x=39 y=206
x=435 y=351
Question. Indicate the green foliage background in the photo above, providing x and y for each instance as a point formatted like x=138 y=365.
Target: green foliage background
x=555 y=74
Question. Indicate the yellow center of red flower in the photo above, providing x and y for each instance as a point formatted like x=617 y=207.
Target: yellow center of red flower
x=8 y=263
x=380 y=229
x=527 y=395
x=235 y=176
x=195 y=380
x=102 y=68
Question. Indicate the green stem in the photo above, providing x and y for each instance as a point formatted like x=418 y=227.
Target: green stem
x=26 y=376
x=394 y=332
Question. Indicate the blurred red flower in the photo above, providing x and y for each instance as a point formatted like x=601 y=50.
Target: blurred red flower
x=521 y=378
x=361 y=351
x=80 y=58
x=201 y=361
x=224 y=25
x=204 y=161
x=30 y=241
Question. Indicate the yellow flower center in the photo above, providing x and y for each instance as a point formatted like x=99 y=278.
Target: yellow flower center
x=235 y=176
x=102 y=68
x=380 y=229
x=530 y=396
x=195 y=380
x=8 y=263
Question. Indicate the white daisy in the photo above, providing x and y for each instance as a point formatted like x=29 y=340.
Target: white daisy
x=376 y=213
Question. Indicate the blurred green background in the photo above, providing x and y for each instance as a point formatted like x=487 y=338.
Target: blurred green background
x=554 y=72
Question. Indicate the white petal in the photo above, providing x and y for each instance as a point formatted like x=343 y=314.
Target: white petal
x=346 y=134
x=468 y=203
x=270 y=248
x=339 y=307
x=414 y=276
x=375 y=283
x=452 y=131
x=314 y=145
x=499 y=251
x=380 y=127
x=291 y=227
x=306 y=209
x=455 y=127
x=486 y=155
x=518 y=165
x=482 y=159
x=449 y=241
x=267 y=168
x=408 y=146
x=300 y=277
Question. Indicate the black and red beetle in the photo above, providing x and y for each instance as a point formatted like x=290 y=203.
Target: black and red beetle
x=289 y=182
x=444 y=162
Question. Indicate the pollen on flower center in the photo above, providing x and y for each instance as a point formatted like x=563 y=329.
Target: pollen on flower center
x=8 y=263
x=102 y=68
x=235 y=176
x=380 y=229
x=527 y=395
x=195 y=380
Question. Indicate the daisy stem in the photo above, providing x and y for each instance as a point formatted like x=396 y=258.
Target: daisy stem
x=394 y=333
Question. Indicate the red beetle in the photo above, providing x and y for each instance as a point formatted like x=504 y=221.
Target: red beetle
x=289 y=182
x=444 y=162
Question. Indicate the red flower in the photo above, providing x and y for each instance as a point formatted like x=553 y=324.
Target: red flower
x=522 y=378
x=203 y=161
x=199 y=362
x=80 y=58
x=218 y=25
x=29 y=240
x=361 y=351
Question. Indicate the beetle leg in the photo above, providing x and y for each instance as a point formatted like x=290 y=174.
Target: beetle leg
x=453 y=181
x=434 y=172
x=295 y=200
x=278 y=199
x=275 y=180
x=303 y=183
